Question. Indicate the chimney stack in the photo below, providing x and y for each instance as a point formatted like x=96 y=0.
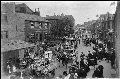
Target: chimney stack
x=62 y=14
x=38 y=12
x=54 y=14
x=38 y=9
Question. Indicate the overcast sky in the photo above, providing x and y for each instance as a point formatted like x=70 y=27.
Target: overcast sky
x=81 y=10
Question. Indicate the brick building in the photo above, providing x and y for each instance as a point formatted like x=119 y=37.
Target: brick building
x=107 y=25
x=16 y=25
x=36 y=31
x=14 y=18
x=117 y=38
x=105 y=29
x=55 y=18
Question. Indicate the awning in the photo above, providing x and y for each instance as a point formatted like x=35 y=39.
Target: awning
x=16 y=44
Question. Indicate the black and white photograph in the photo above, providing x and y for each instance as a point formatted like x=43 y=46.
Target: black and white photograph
x=60 y=39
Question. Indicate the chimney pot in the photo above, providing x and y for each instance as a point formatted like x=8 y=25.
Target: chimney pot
x=54 y=14
x=38 y=9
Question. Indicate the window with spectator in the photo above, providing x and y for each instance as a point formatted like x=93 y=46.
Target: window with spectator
x=32 y=25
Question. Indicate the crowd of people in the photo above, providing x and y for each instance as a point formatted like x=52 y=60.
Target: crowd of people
x=78 y=69
x=32 y=65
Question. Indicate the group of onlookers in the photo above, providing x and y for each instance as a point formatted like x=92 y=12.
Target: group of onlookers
x=79 y=69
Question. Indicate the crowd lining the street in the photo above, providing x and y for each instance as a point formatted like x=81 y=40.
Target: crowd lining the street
x=38 y=66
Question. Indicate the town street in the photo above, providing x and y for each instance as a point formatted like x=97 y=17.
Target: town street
x=81 y=48
x=49 y=40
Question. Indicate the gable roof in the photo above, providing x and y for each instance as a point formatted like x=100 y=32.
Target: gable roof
x=18 y=6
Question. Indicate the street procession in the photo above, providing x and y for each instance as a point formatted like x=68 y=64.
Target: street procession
x=45 y=64
x=55 y=47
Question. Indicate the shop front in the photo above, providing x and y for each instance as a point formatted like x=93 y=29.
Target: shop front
x=13 y=53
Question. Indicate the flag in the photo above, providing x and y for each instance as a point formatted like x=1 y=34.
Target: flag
x=113 y=3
